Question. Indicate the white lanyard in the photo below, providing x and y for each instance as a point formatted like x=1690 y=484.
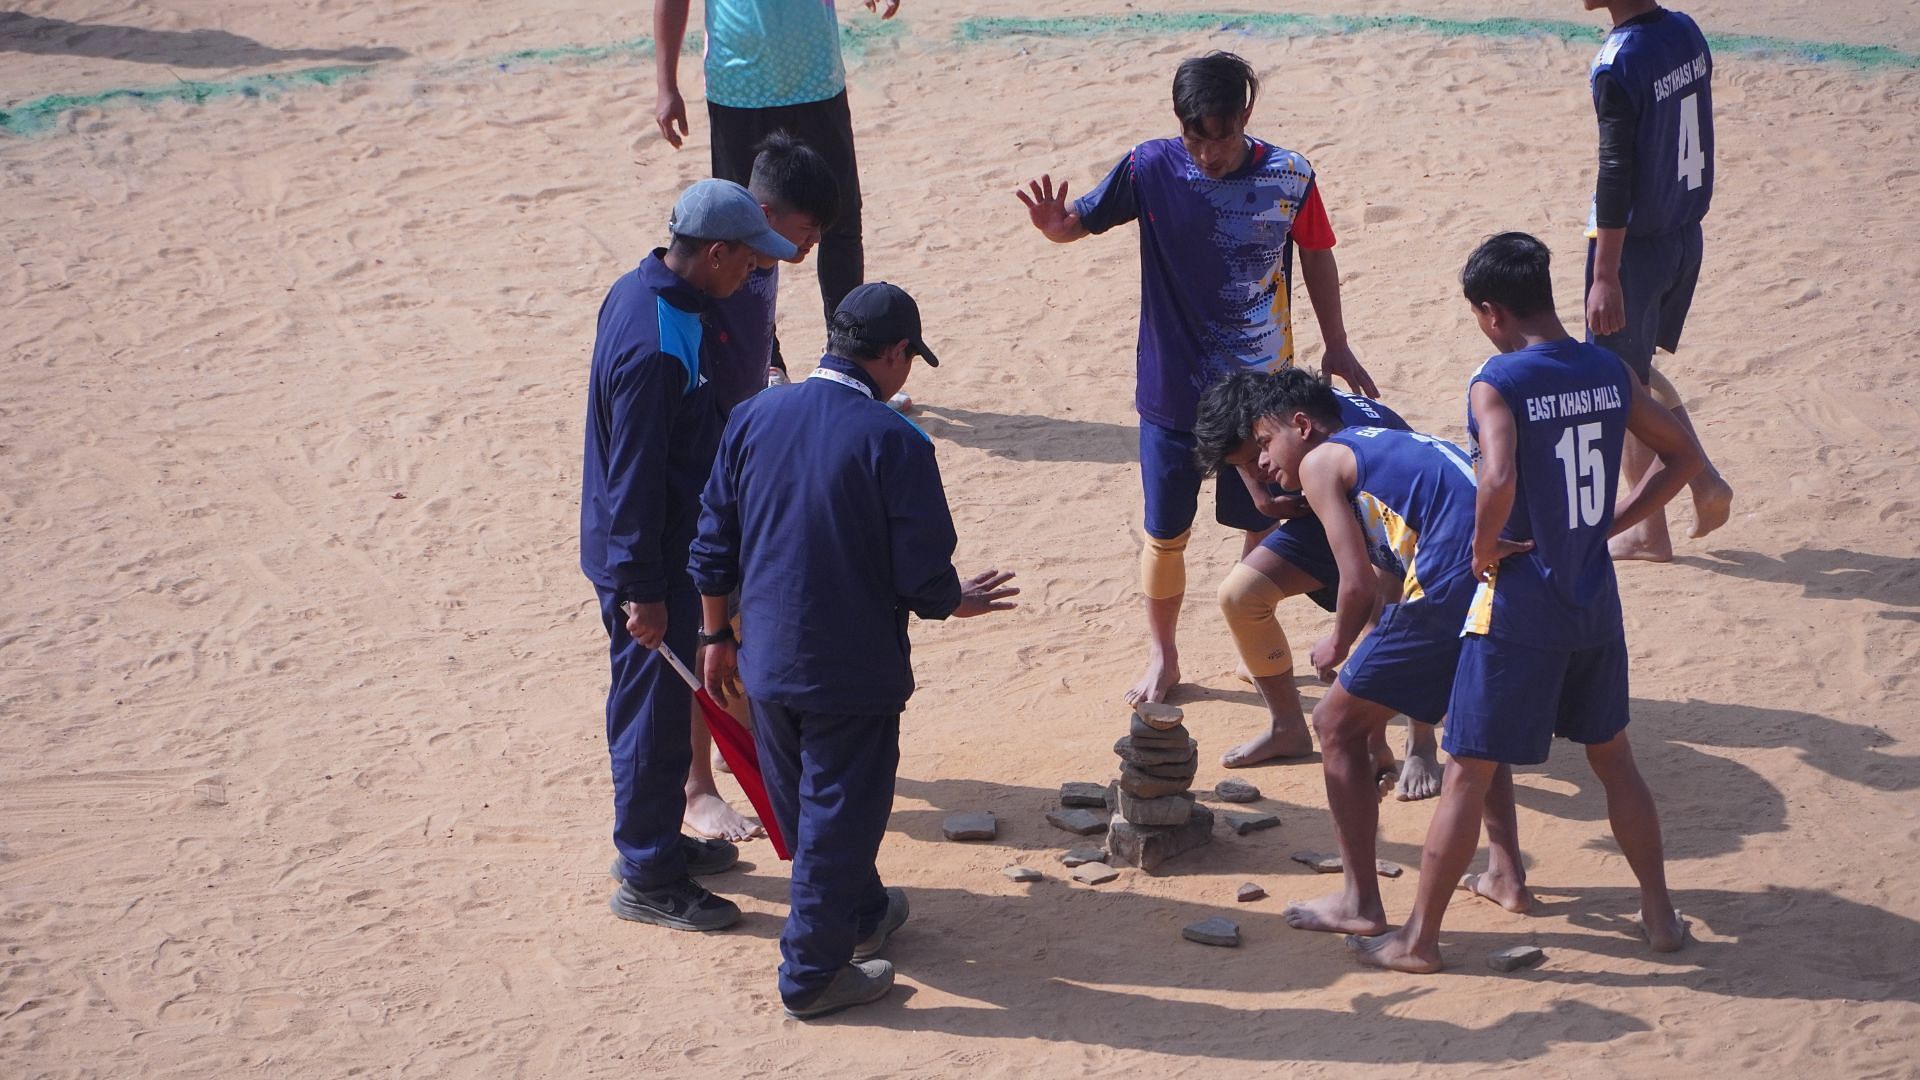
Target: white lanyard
x=842 y=378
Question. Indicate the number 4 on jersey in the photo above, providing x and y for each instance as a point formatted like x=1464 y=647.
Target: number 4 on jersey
x=1583 y=463
x=1693 y=158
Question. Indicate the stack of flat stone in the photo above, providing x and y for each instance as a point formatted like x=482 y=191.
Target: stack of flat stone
x=1155 y=816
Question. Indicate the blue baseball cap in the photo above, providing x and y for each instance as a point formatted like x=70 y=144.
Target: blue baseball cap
x=723 y=210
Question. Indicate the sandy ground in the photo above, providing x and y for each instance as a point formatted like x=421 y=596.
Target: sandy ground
x=305 y=774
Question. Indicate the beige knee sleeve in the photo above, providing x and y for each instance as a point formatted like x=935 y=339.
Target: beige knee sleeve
x=1163 y=566
x=1248 y=600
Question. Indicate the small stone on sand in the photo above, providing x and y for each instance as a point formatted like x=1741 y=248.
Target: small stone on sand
x=1318 y=863
x=1082 y=793
x=1081 y=855
x=1235 y=791
x=1079 y=821
x=1214 y=931
x=971 y=825
x=1094 y=873
x=1388 y=868
x=1250 y=892
x=1251 y=823
x=1022 y=873
x=1158 y=715
x=1515 y=958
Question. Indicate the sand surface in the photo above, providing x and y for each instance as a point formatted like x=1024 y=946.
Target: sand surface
x=305 y=773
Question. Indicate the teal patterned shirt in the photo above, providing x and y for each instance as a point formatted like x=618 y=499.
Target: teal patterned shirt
x=765 y=53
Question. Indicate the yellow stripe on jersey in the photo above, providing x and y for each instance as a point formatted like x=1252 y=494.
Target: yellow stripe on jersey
x=1389 y=534
x=1480 y=611
x=1282 y=315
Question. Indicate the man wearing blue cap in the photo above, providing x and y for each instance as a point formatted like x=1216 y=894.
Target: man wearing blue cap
x=825 y=510
x=652 y=425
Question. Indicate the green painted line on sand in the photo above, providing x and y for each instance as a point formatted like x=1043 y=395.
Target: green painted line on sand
x=39 y=114
x=1300 y=24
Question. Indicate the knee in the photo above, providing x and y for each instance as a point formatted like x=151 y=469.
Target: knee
x=1163 y=566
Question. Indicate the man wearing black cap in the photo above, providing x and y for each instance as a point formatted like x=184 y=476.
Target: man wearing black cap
x=652 y=425
x=825 y=510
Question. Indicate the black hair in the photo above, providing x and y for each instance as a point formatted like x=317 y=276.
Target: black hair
x=1229 y=408
x=1512 y=270
x=844 y=339
x=689 y=246
x=1217 y=86
x=790 y=174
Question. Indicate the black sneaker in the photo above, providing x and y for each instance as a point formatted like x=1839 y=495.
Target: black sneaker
x=855 y=984
x=681 y=905
x=895 y=917
x=704 y=857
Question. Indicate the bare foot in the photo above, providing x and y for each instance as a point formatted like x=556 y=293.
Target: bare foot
x=1162 y=673
x=1331 y=915
x=1502 y=890
x=1393 y=952
x=1631 y=546
x=709 y=816
x=1711 y=506
x=1419 y=777
x=1665 y=932
x=1271 y=746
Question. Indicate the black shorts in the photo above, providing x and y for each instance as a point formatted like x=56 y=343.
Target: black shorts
x=1657 y=278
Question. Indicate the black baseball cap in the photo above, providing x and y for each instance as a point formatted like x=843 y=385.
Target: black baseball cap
x=879 y=314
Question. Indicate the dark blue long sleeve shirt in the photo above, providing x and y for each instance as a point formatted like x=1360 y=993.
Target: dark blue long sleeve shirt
x=825 y=510
x=652 y=426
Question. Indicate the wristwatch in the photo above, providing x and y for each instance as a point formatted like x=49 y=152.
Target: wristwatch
x=725 y=633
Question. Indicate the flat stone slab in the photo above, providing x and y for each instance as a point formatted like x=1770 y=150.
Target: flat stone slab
x=1166 y=810
x=1235 y=791
x=1179 y=770
x=1331 y=864
x=1249 y=892
x=1515 y=957
x=1243 y=824
x=1150 y=847
x=971 y=825
x=1137 y=783
x=1145 y=734
x=1153 y=755
x=1214 y=931
x=1082 y=855
x=1157 y=715
x=1079 y=821
x=1022 y=873
x=1094 y=873
x=1083 y=793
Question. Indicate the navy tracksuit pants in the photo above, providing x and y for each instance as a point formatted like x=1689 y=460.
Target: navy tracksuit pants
x=649 y=728
x=830 y=779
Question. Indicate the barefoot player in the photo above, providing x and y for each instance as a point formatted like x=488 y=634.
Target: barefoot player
x=1652 y=89
x=1543 y=653
x=1220 y=214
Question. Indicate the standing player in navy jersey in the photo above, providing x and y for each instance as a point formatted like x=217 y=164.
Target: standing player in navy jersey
x=1390 y=498
x=1652 y=88
x=1220 y=214
x=1293 y=559
x=1543 y=652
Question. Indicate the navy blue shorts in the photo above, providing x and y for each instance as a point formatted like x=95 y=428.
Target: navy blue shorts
x=1171 y=478
x=1302 y=541
x=1510 y=700
x=1657 y=278
x=1407 y=663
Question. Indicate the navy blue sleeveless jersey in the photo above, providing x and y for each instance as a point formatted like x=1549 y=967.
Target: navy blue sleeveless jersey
x=1414 y=496
x=1661 y=65
x=1569 y=402
x=1357 y=411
